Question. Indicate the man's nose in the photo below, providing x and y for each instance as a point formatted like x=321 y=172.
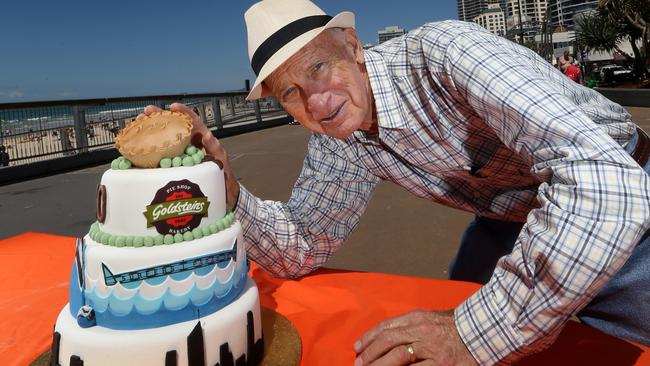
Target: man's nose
x=318 y=101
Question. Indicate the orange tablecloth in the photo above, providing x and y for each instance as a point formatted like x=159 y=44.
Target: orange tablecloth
x=330 y=309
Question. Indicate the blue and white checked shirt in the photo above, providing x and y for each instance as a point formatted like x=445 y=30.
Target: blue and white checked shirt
x=475 y=122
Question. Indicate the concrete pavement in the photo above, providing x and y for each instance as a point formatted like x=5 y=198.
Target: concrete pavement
x=399 y=233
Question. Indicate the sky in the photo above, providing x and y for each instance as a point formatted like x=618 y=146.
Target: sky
x=73 y=49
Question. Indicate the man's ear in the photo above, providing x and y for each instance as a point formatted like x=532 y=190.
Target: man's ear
x=352 y=40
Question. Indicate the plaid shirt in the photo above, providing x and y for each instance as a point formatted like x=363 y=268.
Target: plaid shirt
x=475 y=122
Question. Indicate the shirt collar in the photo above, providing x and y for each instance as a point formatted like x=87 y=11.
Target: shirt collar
x=383 y=90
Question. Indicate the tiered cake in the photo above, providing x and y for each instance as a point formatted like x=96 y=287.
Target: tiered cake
x=161 y=278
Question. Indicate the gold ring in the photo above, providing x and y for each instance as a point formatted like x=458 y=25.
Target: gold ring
x=411 y=352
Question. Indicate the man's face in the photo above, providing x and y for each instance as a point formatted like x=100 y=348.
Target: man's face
x=324 y=86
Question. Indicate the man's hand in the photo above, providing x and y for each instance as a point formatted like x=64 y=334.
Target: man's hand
x=202 y=137
x=419 y=337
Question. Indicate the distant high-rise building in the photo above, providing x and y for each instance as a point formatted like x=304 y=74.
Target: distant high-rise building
x=389 y=33
x=531 y=11
x=562 y=12
x=492 y=19
x=470 y=9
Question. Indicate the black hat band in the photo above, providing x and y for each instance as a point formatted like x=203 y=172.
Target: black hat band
x=283 y=36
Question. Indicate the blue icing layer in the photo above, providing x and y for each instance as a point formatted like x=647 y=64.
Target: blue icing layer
x=180 y=276
x=97 y=302
x=163 y=316
x=132 y=285
x=200 y=296
x=147 y=306
x=119 y=306
x=76 y=298
x=140 y=312
x=204 y=271
x=156 y=280
x=177 y=302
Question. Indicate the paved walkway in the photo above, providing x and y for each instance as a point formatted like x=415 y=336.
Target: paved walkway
x=399 y=233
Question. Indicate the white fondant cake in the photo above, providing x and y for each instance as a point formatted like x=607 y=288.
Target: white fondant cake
x=161 y=278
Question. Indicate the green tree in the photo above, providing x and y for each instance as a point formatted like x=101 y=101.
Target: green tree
x=633 y=19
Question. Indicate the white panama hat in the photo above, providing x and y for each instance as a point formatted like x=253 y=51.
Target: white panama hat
x=277 y=29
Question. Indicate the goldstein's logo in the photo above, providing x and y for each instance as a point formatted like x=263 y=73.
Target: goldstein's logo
x=177 y=207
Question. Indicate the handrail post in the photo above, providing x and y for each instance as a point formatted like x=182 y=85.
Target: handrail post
x=258 y=113
x=232 y=105
x=216 y=113
x=79 y=114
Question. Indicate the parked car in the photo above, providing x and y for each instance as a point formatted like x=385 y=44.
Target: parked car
x=615 y=74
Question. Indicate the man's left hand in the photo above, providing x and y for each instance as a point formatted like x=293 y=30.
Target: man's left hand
x=419 y=337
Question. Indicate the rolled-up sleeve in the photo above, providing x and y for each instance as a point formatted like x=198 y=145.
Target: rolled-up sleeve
x=294 y=238
x=594 y=199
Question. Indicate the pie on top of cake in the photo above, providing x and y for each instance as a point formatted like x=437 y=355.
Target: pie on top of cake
x=148 y=139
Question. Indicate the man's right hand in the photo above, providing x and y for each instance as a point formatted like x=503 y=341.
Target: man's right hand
x=202 y=137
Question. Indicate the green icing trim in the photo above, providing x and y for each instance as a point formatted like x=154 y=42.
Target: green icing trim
x=166 y=163
x=191 y=150
x=177 y=161
x=188 y=161
x=192 y=156
x=121 y=163
x=99 y=236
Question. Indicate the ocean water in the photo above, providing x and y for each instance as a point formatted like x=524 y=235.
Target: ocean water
x=25 y=120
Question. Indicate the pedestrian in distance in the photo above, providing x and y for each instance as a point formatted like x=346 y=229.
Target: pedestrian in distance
x=4 y=157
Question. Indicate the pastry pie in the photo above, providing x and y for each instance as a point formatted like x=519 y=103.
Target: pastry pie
x=147 y=140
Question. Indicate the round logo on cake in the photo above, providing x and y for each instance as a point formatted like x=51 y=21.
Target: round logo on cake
x=178 y=207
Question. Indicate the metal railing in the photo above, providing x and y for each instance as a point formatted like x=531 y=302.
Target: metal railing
x=36 y=131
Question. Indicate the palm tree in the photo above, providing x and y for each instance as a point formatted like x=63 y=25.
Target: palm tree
x=598 y=33
x=633 y=16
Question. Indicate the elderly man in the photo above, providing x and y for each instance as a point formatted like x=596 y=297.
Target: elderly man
x=552 y=170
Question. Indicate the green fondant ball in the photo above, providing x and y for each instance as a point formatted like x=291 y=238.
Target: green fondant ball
x=187 y=236
x=177 y=161
x=201 y=154
x=213 y=228
x=197 y=158
x=115 y=164
x=159 y=240
x=169 y=239
x=178 y=238
x=206 y=230
x=191 y=150
x=148 y=241
x=188 y=161
x=125 y=164
x=197 y=233
x=221 y=224
x=103 y=238
x=128 y=241
x=112 y=240
x=120 y=241
x=166 y=163
x=138 y=241
x=94 y=226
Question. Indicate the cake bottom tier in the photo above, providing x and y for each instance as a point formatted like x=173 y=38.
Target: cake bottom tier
x=230 y=336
